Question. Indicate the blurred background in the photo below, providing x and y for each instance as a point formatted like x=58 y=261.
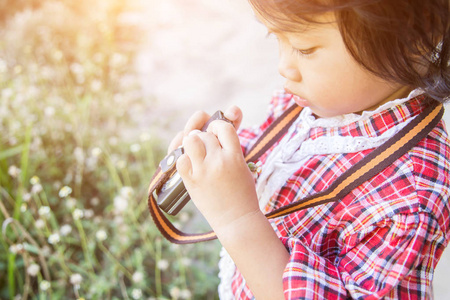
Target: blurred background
x=91 y=93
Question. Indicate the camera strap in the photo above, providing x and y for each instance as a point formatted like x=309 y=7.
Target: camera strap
x=372 y=164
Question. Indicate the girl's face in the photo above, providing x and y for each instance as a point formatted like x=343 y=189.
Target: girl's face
x=323 y=75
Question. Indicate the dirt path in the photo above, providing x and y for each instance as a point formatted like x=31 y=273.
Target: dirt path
x=204 y=54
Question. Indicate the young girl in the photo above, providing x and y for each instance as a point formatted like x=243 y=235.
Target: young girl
x=362 y=70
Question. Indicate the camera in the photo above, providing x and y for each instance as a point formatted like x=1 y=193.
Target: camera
x=172 y=196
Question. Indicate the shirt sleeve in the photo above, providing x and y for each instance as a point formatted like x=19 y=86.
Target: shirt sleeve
x=393 y=259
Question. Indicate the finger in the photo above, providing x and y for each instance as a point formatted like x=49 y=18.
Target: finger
x=234 y=114
x=195 y=149
x=226 y=135
x=210 y=142
x=196 y=122
x=176 y=142
x=184 y=166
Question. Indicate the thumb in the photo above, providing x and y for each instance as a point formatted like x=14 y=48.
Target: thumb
x=234 y=114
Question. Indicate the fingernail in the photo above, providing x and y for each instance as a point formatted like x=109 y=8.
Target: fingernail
x=230 y=113
x=194 y=132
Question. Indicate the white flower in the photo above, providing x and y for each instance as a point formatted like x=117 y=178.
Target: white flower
x=35 y=180
x=26 y=197
x=65 y=191
x=54 y=238
x=96 y=85
x=175 y=292
x=14 y=171
x=75 y=279
x=136 y=293
x=39 y=223
x=163 y=264
x=121 y=164
x=33 y=270
x=138 y=277
x=91 y=163
x=145 y=136
x=57 y=54
x=126 y=192
x=44 y=211
x=76 y=68
x=49 y=111
x=88 y=213
x=7 y=93
x=3 y=66
x=95 y=201
x=95 y=152
x=23 y=207
x=65 y=229
x=117 y=60
x=120 y=204
x=36 y=189
x=44 y=285
x=71 y=202
x=101 y=235
x=185 y=294
x=16 y=248
x=135 y=148
x=78 y=154
x=57 y=185
x=46 y=251
x=78 y=214
x=186 y=261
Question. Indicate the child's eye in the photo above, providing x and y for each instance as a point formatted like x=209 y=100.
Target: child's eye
x=304 y=52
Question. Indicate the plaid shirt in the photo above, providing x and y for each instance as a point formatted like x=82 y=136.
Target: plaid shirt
x=384 y=239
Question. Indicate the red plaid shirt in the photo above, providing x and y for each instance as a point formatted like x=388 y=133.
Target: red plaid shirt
x=383 y=239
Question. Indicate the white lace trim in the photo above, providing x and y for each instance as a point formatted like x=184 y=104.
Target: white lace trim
x=293 y=151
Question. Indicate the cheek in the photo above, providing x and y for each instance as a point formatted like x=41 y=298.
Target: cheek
x=341 y=77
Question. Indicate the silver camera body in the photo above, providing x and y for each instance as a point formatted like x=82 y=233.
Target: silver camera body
x=173 y=196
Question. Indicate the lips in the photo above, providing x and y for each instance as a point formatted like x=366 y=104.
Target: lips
x=297 y=99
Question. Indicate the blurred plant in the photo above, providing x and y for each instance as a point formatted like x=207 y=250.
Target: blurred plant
x=9 y=7
x=73 y=182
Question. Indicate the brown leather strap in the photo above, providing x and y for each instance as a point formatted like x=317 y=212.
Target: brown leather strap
x=368 y=167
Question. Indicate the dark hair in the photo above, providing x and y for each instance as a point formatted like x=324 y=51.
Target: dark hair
x=405 y=41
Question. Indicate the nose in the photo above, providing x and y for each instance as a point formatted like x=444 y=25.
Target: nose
x=288 y=64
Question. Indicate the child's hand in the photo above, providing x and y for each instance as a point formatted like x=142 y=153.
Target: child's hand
x=196 y=122
x=216 y=175
x=220 y=184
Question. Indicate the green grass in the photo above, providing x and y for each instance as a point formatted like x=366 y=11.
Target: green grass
x=73 y=184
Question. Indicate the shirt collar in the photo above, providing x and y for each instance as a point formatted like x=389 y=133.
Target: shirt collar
x=369 y=123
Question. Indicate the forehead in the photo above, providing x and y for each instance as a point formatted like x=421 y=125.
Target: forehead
x=280 y=23
x=321 y=26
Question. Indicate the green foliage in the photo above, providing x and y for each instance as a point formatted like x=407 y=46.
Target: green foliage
x=73 y=181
